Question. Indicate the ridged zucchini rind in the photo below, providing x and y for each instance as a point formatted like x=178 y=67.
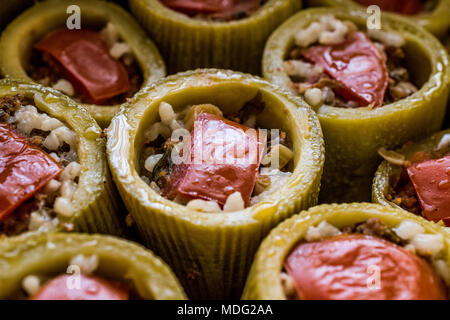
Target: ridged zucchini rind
x=436 y=21
x=353 y=136
x=387 y=171
x=263 y=282
x=211 y=252
x=98 y=209
x=188 y=43
x=119 y=259
x=18 y=38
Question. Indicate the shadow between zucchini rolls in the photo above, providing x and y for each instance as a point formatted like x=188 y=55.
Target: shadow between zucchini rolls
x=59 y=180
x=379 y=253
x=35 y=47
x=64 y=266
x=206 y=220
x=401 y=95
x=416 y=178
x=430 y=14
x=190 y=42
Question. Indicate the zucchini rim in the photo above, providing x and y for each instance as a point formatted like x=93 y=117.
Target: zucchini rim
x=353 y=136
x=51 y=253
x=188 y=43
x=436 y=22
x=214 y=268
x=380 y=187
x=27 y=28
x=97 y=208
x=263 y=282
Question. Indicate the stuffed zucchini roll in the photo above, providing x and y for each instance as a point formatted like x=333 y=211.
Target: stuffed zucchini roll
x=352 y=251
x=44 y=44
x=207 y=162
x=430 y=14
x=365 y=85
x=62 y=266
x=53 y=168
x=221 y=34
x=416 y=178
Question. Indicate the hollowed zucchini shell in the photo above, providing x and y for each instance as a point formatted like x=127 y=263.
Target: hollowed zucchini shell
x=97 y=205
x=189 y=43
x=50 y=254
x=211 y=252
x=435 y=21
x=263 y=282
x=353 y=136
x=387 y=171
x=19 y=37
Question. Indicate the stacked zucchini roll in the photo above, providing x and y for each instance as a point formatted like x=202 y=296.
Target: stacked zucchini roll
x=430 y=14
x=54 y=171
x=83 y=267
x=365 y=86
x=207 y=219
x=100 y=63
x=352 y=251
x=416 y=178
x=227 y=35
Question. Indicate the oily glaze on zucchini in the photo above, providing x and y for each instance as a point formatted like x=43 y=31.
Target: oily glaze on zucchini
x=436 y=21
x=388 y=174
x=48 y=255
x=96 y=206
x=211 y=252
x=353 y=135
x=21 y=35
x=263 y=282
x=189 y=43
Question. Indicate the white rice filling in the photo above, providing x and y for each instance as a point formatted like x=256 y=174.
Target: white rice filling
x=170 y=121
x=418 y=241
x=25 y=120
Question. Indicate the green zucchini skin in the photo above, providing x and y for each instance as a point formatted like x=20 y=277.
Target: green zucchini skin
x=436 y=21
x=20 y=35
x=353 y=136
x=49 y=254
x=98 y=208
x=381 y=179
x=211 y=252
x=263 y=282
x=188 y=43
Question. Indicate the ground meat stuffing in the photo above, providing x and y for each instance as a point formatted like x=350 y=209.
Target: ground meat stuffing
x=44 y=70
x=306 y=78
x=44 y=207
x=373 y=227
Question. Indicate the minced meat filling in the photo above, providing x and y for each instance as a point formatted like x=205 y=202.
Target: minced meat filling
x=311 y=81
x=59 y=142
x=156 y=161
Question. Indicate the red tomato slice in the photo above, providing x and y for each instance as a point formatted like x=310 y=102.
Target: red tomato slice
x=24 y=170
x=64 y=287
x=225 y=159
x=357 y=65
x=219 y=9
x=357 y=267
x=431 y=180
x=410 y=7
x=85 y=61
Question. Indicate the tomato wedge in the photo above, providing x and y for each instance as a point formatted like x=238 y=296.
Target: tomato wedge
x=219 y=9
x=410 y=7
x=225 y=158
x=431 y=181
x=64 y=287
x=357 y=65
x=357 y=267
x=24 y=170
x=84 y=59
